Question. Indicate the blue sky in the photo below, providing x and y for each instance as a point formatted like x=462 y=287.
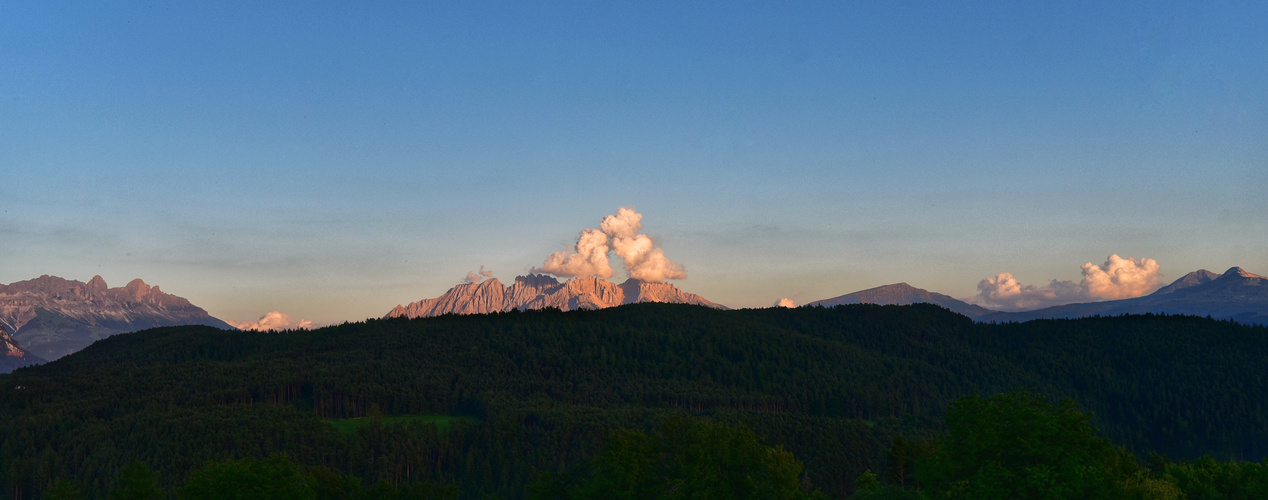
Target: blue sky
x=332 y=160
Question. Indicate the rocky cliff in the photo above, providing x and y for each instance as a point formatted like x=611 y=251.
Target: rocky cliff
x=52 y=317
x=539 y=291
x=12 y=356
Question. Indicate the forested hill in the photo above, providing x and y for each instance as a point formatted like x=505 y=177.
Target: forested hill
x=542 y=389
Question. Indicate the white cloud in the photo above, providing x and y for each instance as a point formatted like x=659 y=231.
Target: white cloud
x=785 y=302
x=618 y=233
x=1118 y=278
x=274 y=320
x=589 y=258
x=1005 y=293
x=478 y=276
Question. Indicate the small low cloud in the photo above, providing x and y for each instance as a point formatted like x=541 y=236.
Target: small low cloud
x=1117 y=278
x=785 y=302
x=478 y=276
x=1005 y=293
x=274 y=321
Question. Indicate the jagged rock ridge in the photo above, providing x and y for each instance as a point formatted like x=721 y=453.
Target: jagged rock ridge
x=539 y=291
x=51 y=317
x=904 y=294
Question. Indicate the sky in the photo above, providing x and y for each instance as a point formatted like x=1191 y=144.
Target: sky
x=330 y=160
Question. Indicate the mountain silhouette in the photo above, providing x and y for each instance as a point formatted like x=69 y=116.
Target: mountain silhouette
x=903 y=294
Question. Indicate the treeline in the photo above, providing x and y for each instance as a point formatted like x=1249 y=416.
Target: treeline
x=1022 y=446
x=834 y=387
x=1015 y=445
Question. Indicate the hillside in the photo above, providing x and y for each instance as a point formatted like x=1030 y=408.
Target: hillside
x=832 y=385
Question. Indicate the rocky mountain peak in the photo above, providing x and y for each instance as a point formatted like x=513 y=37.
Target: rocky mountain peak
x=137 y=289
x=43 y=285
x=1241 y=273
x=96 y=285
x=539 y=291
x=1194 y=278
x=51 y=316
x=490 y=283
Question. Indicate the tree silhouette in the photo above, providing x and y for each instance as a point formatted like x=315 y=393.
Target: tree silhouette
x=1018 y=445
x=137 y=482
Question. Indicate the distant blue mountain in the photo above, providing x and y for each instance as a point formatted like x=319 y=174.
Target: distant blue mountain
x=1236 y=295
x=902 y=294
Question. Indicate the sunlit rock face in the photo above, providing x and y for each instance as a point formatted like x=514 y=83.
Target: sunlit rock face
x=12 y=356
x=539 y=291
x=51 y=317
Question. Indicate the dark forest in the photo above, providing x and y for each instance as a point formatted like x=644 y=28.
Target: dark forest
x=857 y=399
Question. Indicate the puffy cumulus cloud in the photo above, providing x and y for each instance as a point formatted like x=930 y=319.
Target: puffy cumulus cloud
x=478 y=276
x=785 y=302
x=589 y=258
x=1005 y=293
x=1118 y=278
x=273 y=321
x=626 y=223
x=643 y=260
x=1121 y=278
x=619 y=234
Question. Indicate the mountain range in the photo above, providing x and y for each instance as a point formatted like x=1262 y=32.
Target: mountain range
x=539 y=291
x=49 y=317
x=1236 y=295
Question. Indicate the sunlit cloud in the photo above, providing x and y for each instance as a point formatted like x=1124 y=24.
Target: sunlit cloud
x=588 y=258
x=1117 y=278
x=1005 y=293
x=478 y=276
x=785 y=302
x=618 y=233
x=274 y=320
x=1120 y=278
